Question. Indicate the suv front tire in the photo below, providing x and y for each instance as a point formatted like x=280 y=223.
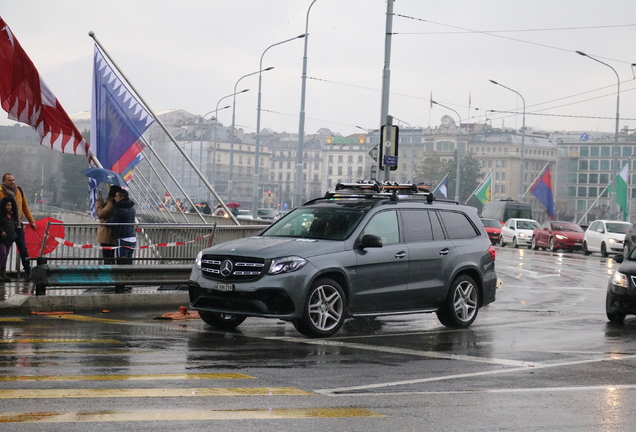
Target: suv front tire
x=325 y=309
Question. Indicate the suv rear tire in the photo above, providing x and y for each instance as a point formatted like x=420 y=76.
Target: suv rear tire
x=325 y=309
x=462 y=304
x=221 y=321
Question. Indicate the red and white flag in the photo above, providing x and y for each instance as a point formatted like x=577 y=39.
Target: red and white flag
x=27 y=99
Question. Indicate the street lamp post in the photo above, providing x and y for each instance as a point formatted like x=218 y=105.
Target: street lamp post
x=523 y=137
x=229 y=183
x=255 y=194
x=201 y=145
x=412 y=171
x=298 y=186
x=615 y=157
x=216 y=125
x=459 y=158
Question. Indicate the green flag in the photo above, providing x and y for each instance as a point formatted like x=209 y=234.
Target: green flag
x=483 y=192
x=621 y=190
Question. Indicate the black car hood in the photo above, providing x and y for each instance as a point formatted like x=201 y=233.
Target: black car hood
x=274 y=247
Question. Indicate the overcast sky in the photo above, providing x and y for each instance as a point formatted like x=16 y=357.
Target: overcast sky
x=188 y=54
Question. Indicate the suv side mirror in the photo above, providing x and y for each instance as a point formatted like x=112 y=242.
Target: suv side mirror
x=619 y=258
x=369 y=241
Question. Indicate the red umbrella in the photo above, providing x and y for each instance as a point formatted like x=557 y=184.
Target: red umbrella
x=232 y=205
x=34 y=238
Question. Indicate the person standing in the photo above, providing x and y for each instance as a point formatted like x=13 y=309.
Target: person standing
x=12 y=190
x=8 y=225
x=124 y=235
x=105 y=210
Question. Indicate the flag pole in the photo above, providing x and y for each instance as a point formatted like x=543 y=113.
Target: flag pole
x=536 y=178
x=440 y=182
x=594 y=203
x=480 y=185
x=172 y=138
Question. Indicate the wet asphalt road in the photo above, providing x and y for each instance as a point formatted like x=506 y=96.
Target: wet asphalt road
x=543 y=357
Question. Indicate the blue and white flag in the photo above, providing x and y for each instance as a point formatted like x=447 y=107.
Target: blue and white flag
x=118 y=118
x=92 y=196
x=441 y=191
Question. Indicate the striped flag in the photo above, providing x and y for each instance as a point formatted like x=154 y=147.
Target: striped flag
x=483 y=192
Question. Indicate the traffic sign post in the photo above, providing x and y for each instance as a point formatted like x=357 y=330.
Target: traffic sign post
x=388 y=157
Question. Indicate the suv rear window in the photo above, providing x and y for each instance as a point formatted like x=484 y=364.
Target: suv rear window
x=458 y=226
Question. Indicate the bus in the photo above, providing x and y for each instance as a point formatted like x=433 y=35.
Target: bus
x=503 y=210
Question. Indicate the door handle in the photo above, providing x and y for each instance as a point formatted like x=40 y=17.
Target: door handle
x=400 y=255
x=444 y=251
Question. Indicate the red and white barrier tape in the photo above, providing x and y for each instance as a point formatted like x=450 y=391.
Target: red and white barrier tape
x=89 y=246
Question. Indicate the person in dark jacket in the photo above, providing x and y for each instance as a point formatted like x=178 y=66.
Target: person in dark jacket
x=8 y=225
x=124 y=235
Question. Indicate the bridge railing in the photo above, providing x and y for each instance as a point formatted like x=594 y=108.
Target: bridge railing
x=158 y=243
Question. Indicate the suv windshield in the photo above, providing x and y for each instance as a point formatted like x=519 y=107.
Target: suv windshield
x=317 y=223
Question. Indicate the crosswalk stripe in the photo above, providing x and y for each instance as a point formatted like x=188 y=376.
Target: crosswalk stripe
x=85 y=318
x=45 y=340
x=185 y=414
x=125 y=377
x=160 y=392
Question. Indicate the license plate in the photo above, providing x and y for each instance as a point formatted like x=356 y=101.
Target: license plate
x=225 y=287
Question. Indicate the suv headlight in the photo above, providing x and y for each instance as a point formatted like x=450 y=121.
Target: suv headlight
x=620 y=280
x=197 y=260
x=286 y=264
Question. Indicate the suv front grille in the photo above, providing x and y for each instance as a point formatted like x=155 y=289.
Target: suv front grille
x=232 y=269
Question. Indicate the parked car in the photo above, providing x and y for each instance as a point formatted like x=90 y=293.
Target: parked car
x=362 y=251
x=493 y=228
x=244 y=214
x=555 y=235
x=630 y=239
x=518 y=232
x=620 y=299
x=605 y=236
x=266 y=213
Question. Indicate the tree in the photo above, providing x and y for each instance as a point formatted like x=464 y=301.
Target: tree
x=470 y=176
x=432 y=170
x=74 y=184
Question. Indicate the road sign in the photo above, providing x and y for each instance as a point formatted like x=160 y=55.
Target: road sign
x=374 y=152
x=390 y=161
x=389 y=139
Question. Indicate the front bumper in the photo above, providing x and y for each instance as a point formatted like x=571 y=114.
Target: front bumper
x=620 y=299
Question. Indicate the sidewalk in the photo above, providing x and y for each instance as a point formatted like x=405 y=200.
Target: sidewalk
x=16 y=296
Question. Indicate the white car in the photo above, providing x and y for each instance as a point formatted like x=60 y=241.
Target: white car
x=605 y=236
x=518 y=232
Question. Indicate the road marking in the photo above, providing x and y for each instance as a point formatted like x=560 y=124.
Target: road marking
x=125 y=377
x=348 y=391
x=34 y=341
x=430 y=354
x=11 y=320
x=183 y=414
x=166 y=392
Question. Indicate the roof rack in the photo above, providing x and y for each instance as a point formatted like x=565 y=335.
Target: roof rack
x=372 y=189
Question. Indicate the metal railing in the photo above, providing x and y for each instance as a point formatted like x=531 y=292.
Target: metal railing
x=156 y=243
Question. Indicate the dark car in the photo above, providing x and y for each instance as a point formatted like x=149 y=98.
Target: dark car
x=620 y=300
x=630 y=239
x=365 y=250
x=493 y=228
x=555 y=235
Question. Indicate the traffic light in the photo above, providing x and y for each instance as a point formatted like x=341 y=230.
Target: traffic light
x=269 y=193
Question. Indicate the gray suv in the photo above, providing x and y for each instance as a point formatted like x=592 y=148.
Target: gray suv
x=365 y=250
